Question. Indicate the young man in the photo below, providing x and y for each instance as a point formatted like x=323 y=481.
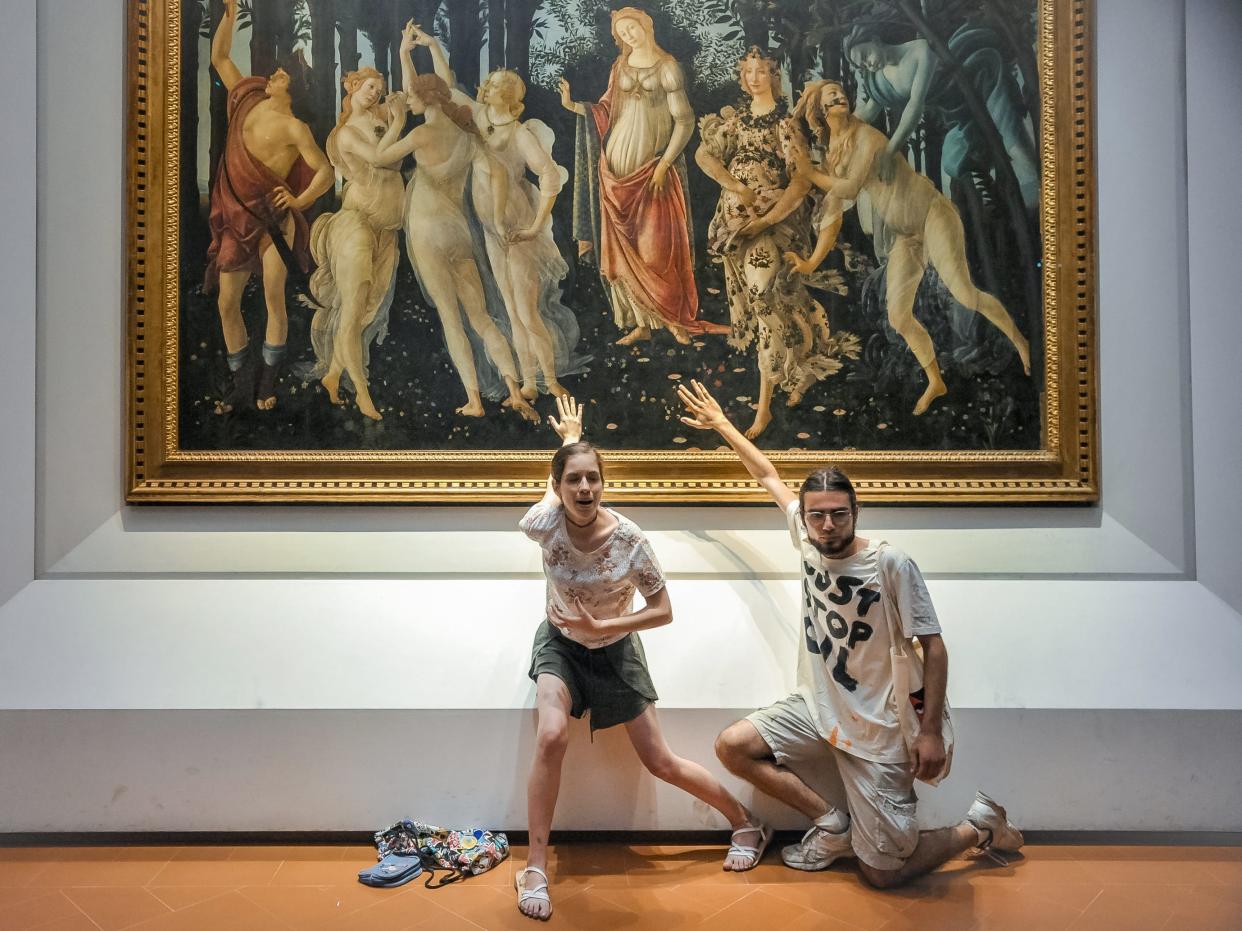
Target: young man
x=844 y=712
x=270 y=173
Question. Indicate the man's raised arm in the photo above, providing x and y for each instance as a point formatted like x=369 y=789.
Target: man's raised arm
x=222 y=47
x=707 y=415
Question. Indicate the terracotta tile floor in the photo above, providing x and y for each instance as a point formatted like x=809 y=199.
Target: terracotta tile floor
x=605 y=886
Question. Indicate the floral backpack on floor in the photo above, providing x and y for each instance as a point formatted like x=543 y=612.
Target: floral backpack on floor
x=462 y=853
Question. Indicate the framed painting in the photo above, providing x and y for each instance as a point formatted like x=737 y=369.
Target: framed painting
x=370 y=241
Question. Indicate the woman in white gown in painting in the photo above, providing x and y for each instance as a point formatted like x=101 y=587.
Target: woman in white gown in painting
x=355 y=248
x=527 y=265
x=437 y=235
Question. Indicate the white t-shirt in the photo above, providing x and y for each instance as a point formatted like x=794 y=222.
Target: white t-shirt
x=604 y=579
x=845 y=671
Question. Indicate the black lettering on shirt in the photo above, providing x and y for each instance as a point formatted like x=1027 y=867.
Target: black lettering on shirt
x=843 y=678
x=845 y=590
x=866 y=598
x=859 y=631
x=837 y=625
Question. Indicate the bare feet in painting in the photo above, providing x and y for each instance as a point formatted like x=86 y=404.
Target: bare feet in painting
x=520 y=405
x=796 y=396
x=556 y=389
x=473 y=408
x=367 y=406
x=517 y=403
x=680 y=335
x=529 y=390
x=332 y=384
x=763 y=417
x=935 y=388
x=634 y=336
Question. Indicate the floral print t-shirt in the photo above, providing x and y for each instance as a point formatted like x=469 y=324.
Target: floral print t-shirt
x=604 y=579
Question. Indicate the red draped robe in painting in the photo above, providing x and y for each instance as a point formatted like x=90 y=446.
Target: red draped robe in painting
x=241 y=199
x=644 y=234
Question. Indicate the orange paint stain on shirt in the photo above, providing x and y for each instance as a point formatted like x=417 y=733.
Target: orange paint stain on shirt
x=832 y=738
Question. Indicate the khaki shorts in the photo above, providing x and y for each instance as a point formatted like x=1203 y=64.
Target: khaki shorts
x=881 y=799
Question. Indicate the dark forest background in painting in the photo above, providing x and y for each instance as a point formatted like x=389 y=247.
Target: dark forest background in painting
x=985 y=51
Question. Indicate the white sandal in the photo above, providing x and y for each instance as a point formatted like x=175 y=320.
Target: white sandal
x=754 y=853
x=539 y=893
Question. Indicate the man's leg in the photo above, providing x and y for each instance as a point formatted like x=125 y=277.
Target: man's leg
x=891 y=850
x=277 y=332
x=236 y=341
x=759 y=747
x=745 y=753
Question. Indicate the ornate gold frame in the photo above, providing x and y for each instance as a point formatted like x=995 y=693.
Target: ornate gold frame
x=157 y=470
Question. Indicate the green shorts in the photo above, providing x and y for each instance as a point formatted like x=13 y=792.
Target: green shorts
x=612 y=682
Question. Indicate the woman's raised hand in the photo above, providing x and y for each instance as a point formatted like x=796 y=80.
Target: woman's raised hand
x=705 y=411
x=569 y=427
x=420 y=37
x=567 y=100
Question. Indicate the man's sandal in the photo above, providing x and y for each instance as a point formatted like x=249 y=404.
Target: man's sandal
x=754 y=854
x=539 y=893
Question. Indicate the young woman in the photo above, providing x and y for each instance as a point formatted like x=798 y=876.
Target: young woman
x=638 y=218
x=746 y=151
x=587 y=655
x=523 y=255
x=437 y=233
x=355 y=248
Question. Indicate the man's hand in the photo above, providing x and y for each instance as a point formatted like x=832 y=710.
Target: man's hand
x=707 y=414
x=283 y=198
x=927 y=756
x=581 y=623
x=569 y=427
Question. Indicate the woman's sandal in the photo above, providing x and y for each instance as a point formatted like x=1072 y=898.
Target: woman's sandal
x=539 y=893
x=755 y=854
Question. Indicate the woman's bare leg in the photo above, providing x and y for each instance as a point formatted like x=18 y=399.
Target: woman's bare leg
x=763 y=410
x=905 y=272
x=946 y=248
x=553 y=704
x=648 y=740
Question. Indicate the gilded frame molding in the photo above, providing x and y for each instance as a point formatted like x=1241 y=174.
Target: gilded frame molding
x=1065 y=470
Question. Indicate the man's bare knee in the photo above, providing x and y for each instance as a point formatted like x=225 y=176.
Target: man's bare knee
x=734 y=745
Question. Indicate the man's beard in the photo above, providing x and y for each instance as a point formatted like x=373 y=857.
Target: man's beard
x=833 y=552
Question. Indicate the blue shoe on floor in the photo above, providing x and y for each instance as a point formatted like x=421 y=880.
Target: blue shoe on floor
x=391 y=871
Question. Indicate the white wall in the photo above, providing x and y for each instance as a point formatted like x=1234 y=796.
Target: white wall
x=197 y=668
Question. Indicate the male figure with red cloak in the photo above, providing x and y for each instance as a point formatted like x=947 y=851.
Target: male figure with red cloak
x=271 y=171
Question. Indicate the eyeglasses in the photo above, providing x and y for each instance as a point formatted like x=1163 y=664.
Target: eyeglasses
x=838 y=516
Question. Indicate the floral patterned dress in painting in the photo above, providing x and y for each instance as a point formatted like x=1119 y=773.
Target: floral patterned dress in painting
x=769 y=304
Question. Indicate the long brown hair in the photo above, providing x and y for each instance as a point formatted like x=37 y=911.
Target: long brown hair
x=432 y=90
x=351 y=82
x=645 y=22
x=811 y=107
